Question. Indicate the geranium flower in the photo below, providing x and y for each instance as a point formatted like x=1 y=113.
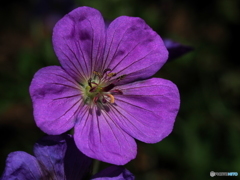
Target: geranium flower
x=176 y=49
x=57 y=158
x=102 y=88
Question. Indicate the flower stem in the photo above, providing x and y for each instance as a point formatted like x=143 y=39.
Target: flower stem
x=96 y=164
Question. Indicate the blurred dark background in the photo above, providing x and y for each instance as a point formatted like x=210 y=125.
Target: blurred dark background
x=206 y=136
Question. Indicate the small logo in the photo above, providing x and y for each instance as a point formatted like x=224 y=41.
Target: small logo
x=212 y=173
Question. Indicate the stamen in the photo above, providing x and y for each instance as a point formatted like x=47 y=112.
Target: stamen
x=106 y=70
x=90 y=82
x=95 y=83
x=108 y=88
x=104 y=100
x=118 y=79
x=111 y=74
x=100 y=88
x=97 y=74
x=93 y=89
x=111 y=98
x=116 y=91
x=121 y=77
x=95 y=99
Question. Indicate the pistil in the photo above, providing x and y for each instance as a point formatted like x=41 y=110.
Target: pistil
x=100 y=88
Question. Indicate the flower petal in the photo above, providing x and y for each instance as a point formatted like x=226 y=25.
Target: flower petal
x=76 y=164
x=99 y=137
x=147 y=109
x=78 y=40
x=62 y=158
x=114 y=173
x=50 y=151
x=56 y=100
x=133 y=49
x=22 y=166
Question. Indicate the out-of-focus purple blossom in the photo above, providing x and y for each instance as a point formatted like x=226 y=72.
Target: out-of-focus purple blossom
x=176 y=49
x=102 y=88
x=114 y=173
x=57 y=158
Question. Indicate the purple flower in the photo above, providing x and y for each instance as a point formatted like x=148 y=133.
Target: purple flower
x=57 y=157
x=176 y=49
x=102 y=87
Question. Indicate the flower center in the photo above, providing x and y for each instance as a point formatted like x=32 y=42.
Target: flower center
x=100 y=88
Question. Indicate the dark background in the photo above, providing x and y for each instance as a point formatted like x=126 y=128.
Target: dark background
x=206 y=136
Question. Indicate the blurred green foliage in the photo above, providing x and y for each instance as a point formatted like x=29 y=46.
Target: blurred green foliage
x=206 y=135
